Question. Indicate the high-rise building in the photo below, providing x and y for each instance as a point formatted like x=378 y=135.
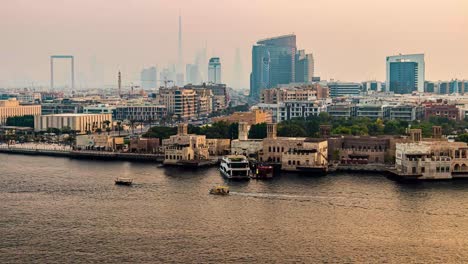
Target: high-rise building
x=148 y=78
x=237 y=82
x=168 y=75
x=274 y=63
x=405 y=73
x=192 y=74
x=214 y=70
x=304 y=67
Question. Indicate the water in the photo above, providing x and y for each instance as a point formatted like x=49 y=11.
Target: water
x=57 y=210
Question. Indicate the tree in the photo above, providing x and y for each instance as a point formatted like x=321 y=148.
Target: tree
x=119 y=126
x=462 y=138
x=161 y=132
x=258 y=131
x=22 y=121
x=291 y=130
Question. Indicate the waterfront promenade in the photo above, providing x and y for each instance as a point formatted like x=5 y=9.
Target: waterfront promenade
x=67 y=151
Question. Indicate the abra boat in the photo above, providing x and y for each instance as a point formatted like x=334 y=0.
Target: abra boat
x=219 y=190
x=235 y=167
x=124 y=181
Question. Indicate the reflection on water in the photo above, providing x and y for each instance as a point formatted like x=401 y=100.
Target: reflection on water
x=61 y=210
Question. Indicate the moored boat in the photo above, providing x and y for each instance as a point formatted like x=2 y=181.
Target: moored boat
x=262 y=171
x=235 y=167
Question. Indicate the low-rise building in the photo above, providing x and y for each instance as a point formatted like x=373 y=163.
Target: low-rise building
x=184 y=147
x=12 y=108
x=361 y=149
x=77 y=122
x=294 y=154
x=338 y=89
x=218 y=146
x=245 y=146
x=144 y=145
x=436 y=159
x=101 y=142
x=342 y=110
x=442 y=110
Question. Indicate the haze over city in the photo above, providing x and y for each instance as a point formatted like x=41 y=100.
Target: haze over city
x=349 y=39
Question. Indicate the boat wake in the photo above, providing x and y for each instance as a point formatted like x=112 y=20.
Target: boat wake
x=282 y=196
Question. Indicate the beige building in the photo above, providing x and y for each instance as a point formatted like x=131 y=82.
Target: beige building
x=245 y=146
x=77 y=122
x=186 y=103
x=294 y=154
x=11 y=108
x=144 y=145
x=218 y=146
x=184 y=147
x=256 y=116
x=278 y=95
x=435 y=159
x=101 y=142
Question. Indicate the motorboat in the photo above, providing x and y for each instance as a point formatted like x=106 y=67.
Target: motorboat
x=219 y=190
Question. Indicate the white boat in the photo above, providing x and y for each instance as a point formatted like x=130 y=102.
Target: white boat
x=235 y=167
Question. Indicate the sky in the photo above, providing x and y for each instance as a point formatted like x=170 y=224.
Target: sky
x=349 y=39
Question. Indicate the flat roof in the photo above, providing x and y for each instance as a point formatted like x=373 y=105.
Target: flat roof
x=79 y=114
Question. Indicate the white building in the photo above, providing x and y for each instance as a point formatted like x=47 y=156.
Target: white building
x=292 y=109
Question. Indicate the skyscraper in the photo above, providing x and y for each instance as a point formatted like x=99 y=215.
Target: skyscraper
x=304 y=67
x=214 y=70
x=237 y=83
x=405 y=73
x=192 y=74
x=148 y=78
x=273 y=63
x=179 y=55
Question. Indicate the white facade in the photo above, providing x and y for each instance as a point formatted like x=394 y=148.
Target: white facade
x=418 y=58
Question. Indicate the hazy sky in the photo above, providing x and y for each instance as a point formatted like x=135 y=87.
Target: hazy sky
x=349 y=39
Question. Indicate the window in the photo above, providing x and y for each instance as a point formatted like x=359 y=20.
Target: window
x=289 y=162
x=423 y=170
x=298 y=162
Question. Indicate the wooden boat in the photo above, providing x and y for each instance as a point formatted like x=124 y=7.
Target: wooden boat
x=219 y=190
x=124 y=181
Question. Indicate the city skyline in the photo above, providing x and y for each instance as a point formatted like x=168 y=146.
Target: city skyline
x=345 y=49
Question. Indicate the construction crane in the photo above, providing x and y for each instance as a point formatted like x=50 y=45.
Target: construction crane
x=166 y=82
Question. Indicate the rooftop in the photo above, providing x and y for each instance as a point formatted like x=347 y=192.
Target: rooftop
x=80 y=114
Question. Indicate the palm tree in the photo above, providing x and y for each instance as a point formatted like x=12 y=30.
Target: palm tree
x=106 y=124
x=119 y=126
x=132 y=125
